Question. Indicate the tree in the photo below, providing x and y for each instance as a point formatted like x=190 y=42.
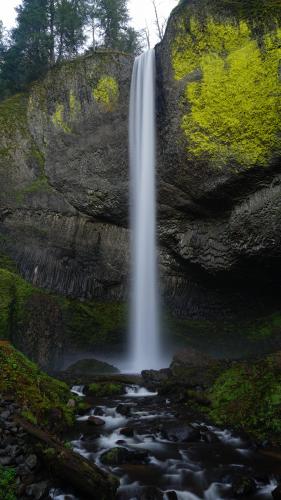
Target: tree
x=131 y=41
x=92 y=14
x=31 y=41
x=70 y=19
x=113 y=20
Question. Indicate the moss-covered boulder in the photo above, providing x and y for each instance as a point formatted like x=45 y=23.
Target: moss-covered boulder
x=90 y=367
x=248 y=396
x=43 y=400
x=105 y=389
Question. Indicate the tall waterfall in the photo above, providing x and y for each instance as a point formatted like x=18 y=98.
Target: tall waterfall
x=142 y=137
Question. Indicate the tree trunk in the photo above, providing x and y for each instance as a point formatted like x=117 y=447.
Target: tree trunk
x=84 y=476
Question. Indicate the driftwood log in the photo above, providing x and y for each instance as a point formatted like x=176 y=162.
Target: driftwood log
x=84 y=476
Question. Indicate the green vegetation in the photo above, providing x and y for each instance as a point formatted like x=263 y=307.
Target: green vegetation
x=74 y=105
x=88 y=324
x=235 y=107
x=105 y=389
x=94 y=324
x=7 y=483
x=50 y=31
x=58 y=119
x=14 y=292
x=107 y=92
x=36 y=393
x=249 y=396
x=13 y=116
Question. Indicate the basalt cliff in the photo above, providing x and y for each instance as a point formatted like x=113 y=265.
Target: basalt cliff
x=64 y=237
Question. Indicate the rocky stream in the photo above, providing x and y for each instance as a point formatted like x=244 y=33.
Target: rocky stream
x=158 y=452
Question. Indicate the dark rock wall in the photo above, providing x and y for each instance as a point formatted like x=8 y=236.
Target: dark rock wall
x=64 y=169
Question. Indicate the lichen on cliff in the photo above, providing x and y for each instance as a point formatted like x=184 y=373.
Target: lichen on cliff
x=58 y=119
x=234 y=107
x=74 y=105
x=107 y=92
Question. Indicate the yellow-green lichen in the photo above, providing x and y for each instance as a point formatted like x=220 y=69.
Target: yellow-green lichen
x=107 y=92
x=58 y=119
x=74 y=105
x=234 y=109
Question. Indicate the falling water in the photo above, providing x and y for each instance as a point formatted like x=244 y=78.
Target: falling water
x=144 y=318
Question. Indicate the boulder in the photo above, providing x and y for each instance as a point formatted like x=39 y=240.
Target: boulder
x=89 y=367
x=95 y=421
x=243 y=486
x=276 y=493
x=127 y=431
x=120 y=456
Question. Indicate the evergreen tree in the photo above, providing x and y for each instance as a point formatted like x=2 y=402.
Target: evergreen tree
x=31 y=41
x=113 y=20
x=131 y=41
x=70 y=19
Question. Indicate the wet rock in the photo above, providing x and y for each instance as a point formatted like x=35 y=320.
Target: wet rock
x=99 y=411
x=151 y=493
x=243 y=486
x=37 y=490
x=171 y=495
x=6 y=461
x=5 y=415
x=276 y=494
x=210 y=437
x=185 y=434
x=127 y=431
x=121 y=442
x=95 y=421
x=31 y=462
x=153 y=378
x=124 y=409
x=119 y=456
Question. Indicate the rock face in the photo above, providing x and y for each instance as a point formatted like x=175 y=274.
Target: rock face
x=64 y=173
x=219 y=126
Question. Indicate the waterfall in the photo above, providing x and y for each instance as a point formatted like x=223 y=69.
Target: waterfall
x=142 y=138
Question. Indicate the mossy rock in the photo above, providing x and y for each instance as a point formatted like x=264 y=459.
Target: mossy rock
x=37 y=393
x=248 y=396
x=227 y=58
x=90 y=367
x=105 y=389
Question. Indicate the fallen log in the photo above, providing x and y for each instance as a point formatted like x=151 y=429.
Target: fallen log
x=63 y=463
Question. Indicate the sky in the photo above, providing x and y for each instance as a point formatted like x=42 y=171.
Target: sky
x=141 y=12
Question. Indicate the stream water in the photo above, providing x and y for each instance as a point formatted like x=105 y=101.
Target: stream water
x=184 y=461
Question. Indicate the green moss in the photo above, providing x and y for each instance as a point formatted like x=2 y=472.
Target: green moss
x=58 y=119
x=13 y=115
x=34 y=391
x=29 y=416
x=7 y=263
x=94 y=324
x=7 y=483
x=105 y=389
x=249 y=397
x=107 y=92
x=234 y=108
x=50 y=453
x=14 y=291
